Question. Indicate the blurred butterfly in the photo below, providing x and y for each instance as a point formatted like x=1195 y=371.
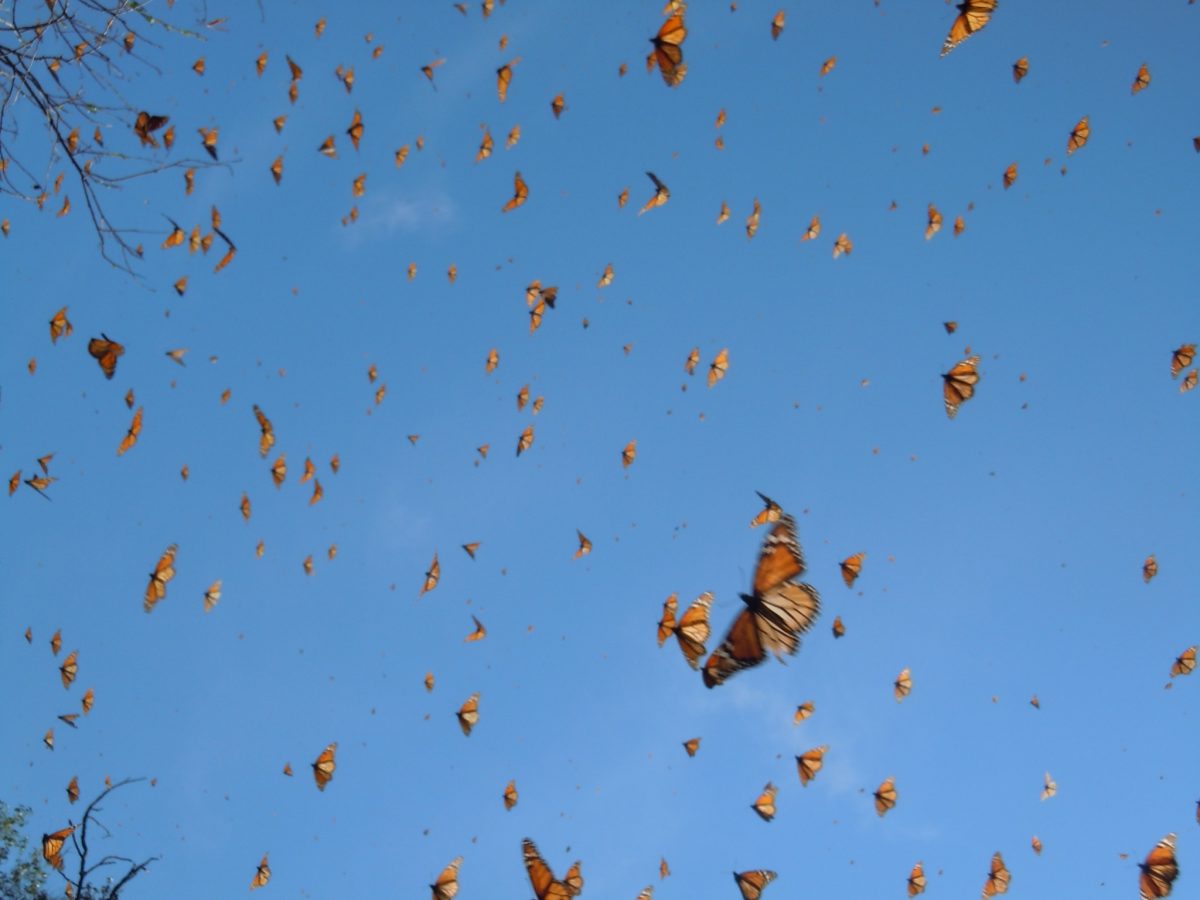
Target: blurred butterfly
x=718 y=367
x=1185 y=662
x=1079 y=135
x=1049 y=786
x=244 y=506
x=468 y=714
x=557 y=105
x=959 y=225
x=724 y=212
x=1189 y=381
x=525 y=441
x=666 y=622
x=814 y=229
x=56 y=642
x=629 y=454
x=1036 y=845
x=86 y=701
x=503 y=80
x=52 y=846
x=606 y=277
x=752 y=220
x=693 y=358
x=428 y=681
x=1020 y=69
x=692 y=629
x=70 y=668
x=131 y=435
x=902 y=686
x=998 y=878
x=771 y=511
x=809 y=763
x=777 y=611
x=471 y=548
x=106 y=352
x=752 y=883
x=933 y=222
x=324 y=766
x=212 y=596
x=478 y=634
x=355 y=131
x=1141 y=81
x=959 y=384
x=510 y=795
x=208 y=140
x=885 y=796
x=427 y=70
x=585 y=546
x=916 y=880
x=514 y=135
x=1010 y=176
x=60 y=325
x=145 y=125
x=73 y=790
x=839 y=630
x=1149 y=568
x=545 y=886
x=431 y=576
x=765 y=804
x=972 y=16
x=777 y=24
x=1182 y=358
x=691 y=746
x=164 y=571
x=445 y=886
x=262 y=875
x=661 y=194
x=48 y=739
x=851 y=567
x=667 y=52
x=843 y=244
x=485 y=145
x=803 y=711
x=520 y=194
x=1159 y=871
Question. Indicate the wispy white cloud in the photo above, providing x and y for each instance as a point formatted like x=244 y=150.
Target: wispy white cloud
x=383 y=215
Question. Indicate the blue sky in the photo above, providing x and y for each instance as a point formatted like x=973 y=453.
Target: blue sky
x=1004 y=548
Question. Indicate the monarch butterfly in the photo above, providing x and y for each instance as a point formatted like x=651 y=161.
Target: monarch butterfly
x=902 y=686
x=131 y=435
x=692 y=629
x=504 y=78
x=752 y=220
x=1036 y=845
x=399 y=158
x=428 y=682
x=777 y=612
x=972 y=16
x=266 y=439
x=959 y=384
x=245 y=506
x=1049 y=786
x=1141 y=81
x=324 y=766
x=297 y=72
x=427 y=70
x=56 y=642
x=52 y=845
x=933 y=222
x=70 y=668
x=622 y=198
x=998 y=878
x=1159 y=871
x=309 y=470
x=1020 y=69
x=666 y=623
x=60 y=325
x=629 y=454
x=752 y=883
x=279 y=122
x=585 y=546
x=916 y=880
x=445 y=886
x=355 y=131
x=485 y=145
x=765 y=804
x=718 y=367
x=468 y=714
x=647 y=893
x=471 y=548
x=814 y=229
x=667 y=52
x=1010 y=176
x=106 y=352
x=145 y=125
x=885 y=796
x=851 y=566
x=510 y=795
x=557 y=105
x=40 y=484
x=48 y=739
x=279 y=470
x=164 y=571
x=660 y=197
x=262 y=875
x=545 y=886
x=959 y=225
x=1189 y=381
x=73 y=790
x=809 y=763
x=525 y=441
x=1182 y=358
x=493 y=360
x=535 y=315
x=318 y=492
x=212 y=596
x=431 y=576
x=803 y=711
x=260 y=64
x=514 y=135
x=771 y=511
x=1079 y=135
x=839 y=630
x=14 y=482
x=691 y=746
x=777 y=24
x=1035 y=702
x=1149 y=568
x=478 y=634
x=663 y=869
x=208 y=140
x=724 y=212
x=843 y=244
x=86 y=701
x=606 y=277
x=827 y=66
x=1185 y=663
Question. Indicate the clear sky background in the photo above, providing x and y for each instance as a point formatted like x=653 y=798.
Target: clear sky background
x=1004 y=548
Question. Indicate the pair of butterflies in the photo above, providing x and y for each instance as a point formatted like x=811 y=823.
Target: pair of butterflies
x=545 y=885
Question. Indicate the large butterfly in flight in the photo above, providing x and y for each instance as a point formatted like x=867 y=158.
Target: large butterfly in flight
x=777 y=611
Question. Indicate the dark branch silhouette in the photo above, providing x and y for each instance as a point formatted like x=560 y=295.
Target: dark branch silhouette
x=82 y=886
